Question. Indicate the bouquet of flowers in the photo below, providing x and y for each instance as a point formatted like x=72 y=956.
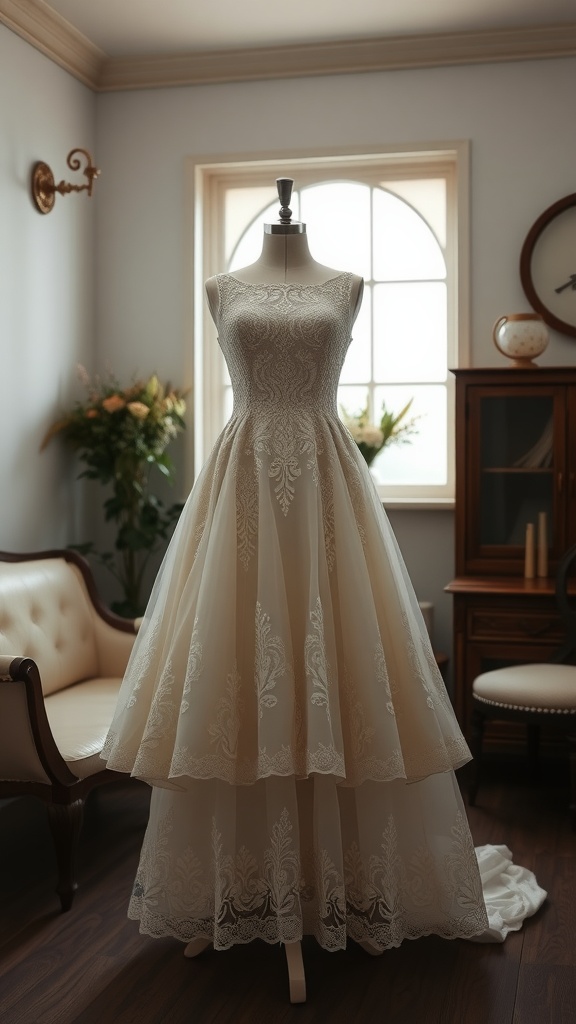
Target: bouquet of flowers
x=372 y=438
x=120 y=434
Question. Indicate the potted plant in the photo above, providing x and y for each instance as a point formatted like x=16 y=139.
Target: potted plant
x=121 y=434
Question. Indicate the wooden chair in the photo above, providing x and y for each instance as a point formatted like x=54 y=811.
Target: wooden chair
x=62 y=658
x=535 y=694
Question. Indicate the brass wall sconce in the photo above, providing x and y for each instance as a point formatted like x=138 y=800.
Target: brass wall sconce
x=44 y=188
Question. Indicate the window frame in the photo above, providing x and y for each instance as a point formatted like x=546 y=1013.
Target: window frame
x=207 y=182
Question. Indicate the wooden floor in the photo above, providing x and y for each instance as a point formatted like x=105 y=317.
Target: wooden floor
x=91 y=966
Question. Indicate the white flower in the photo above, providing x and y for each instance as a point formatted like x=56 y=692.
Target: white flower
x=372 y=436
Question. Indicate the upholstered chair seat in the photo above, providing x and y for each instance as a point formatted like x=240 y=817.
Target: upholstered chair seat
x=535 y=694
x=549 y=689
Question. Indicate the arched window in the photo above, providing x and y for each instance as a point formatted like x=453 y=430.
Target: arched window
x=395 y=225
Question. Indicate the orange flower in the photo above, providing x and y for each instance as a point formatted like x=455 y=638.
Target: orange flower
x=138 y=409
x=113 y=403
x=91 y=414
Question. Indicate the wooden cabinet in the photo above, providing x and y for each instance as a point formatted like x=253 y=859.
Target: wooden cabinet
x=515 y=458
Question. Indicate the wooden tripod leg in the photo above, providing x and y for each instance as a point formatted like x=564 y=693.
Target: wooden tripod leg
x=572 y=753
x=296 y=976
x=196 y=946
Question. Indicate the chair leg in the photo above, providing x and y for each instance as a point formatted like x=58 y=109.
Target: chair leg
x=65 y=823
x=533 y=742
x=572 y=757
x=476 y=738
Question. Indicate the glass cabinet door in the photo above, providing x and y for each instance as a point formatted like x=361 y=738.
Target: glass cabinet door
x=518 y=436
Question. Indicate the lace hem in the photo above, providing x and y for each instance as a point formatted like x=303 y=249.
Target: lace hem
x=234 y=894
x=331 y=939
x=223 y=937
x=286 y=763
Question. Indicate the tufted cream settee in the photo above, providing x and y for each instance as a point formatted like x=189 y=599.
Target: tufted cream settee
x=62 y=658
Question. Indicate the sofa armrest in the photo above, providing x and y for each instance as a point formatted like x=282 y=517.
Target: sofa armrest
x=28 y=752
x=6 y=662
x=113 y=645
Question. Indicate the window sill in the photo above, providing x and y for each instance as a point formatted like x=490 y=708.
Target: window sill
x=421 y=504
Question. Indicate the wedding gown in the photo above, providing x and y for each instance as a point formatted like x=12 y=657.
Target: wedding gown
x=282 y=697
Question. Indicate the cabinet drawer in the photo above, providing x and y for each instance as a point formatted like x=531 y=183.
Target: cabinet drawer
x=527 y=626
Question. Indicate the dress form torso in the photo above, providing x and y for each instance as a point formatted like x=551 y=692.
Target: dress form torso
x=285 y=258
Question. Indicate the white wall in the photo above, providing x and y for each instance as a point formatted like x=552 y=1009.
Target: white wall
x=521 y=121
x=46 y=293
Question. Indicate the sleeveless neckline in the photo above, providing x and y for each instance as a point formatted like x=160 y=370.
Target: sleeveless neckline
x=286 y=284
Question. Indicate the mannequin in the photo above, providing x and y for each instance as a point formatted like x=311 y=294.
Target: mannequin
x=285 y=258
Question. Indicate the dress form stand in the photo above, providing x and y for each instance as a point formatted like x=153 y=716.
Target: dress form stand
x=285 y=257
x=294 y=962
x=296 y=976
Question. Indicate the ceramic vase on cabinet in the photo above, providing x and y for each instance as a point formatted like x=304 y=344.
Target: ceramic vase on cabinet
x=521 y=337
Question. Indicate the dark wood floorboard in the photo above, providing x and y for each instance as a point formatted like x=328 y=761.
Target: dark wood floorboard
x=91 y=965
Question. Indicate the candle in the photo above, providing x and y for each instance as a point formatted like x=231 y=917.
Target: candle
x=542 y=544
x=529 y=552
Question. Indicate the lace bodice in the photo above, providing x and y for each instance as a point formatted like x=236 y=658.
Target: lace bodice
x=284 y=344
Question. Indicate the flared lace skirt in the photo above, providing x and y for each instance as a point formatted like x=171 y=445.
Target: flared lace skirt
x=283 y=637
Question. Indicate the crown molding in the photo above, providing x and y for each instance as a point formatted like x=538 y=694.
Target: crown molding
x=55 y=37
x=39 y=24
x=356 y=56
